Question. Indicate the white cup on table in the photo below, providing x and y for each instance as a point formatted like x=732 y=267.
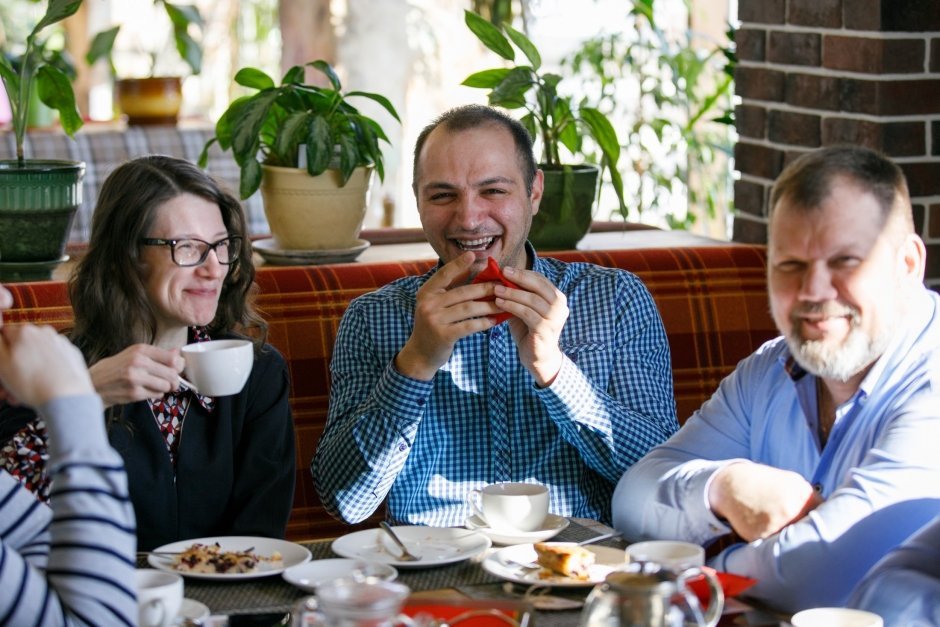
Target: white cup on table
x=218 y=367
x=670 y=554
x=836 y=617
x=159 y=597
x=511 y=506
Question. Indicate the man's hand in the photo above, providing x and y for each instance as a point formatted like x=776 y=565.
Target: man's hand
x=540 y=311
x=139 y=372
x=446 y=311
x=37 y=364
x=758 y=500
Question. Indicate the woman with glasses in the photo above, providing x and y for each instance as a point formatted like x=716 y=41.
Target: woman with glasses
x=169 y=263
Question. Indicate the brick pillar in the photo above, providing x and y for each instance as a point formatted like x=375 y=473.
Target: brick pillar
x=820 y=72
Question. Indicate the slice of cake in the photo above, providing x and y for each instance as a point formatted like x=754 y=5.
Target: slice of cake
x=569 y=560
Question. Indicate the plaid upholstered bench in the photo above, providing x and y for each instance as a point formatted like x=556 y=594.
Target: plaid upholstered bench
x=713 y=302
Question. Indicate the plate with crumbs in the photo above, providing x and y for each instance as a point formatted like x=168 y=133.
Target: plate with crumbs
x=515 y=564
x=266 y=550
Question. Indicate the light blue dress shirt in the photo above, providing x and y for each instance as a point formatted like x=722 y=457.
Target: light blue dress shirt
x=904 y=588
x=482 y=419
x=879 y=472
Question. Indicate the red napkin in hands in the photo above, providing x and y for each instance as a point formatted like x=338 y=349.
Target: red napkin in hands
x=732 y=585
x=493 y=274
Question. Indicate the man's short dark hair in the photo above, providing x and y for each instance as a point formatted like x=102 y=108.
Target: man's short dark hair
x=807 y=182
x=473 y=116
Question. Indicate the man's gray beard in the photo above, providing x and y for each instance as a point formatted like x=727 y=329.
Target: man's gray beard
x=841 y=361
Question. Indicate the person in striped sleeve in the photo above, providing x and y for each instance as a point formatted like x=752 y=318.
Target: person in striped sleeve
x=72 y=562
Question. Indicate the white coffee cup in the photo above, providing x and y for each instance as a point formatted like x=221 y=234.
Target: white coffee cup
x=511 y=506
x=218 y=367
x=159 y=597
x=836 y=617
x=670 y=554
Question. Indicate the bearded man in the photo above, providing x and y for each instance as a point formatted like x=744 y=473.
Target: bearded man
x=819 y=451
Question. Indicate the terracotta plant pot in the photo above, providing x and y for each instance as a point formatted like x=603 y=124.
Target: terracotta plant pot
x=150 y=101
x=313 y=212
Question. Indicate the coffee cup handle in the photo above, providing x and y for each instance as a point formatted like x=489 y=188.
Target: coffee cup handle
x=716 y=601
x=472 y=502
x=154 y=613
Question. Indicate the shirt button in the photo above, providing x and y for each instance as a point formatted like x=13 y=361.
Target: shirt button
x=817 y=487
x=421 y=402
x=402 y=446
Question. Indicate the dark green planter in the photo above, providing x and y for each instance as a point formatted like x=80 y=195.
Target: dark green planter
x=37 y=205
x=567 y=207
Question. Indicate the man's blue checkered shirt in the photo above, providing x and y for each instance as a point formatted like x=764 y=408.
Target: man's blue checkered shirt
x=481 y=419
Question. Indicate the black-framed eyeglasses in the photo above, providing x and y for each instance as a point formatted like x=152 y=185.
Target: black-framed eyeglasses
x=193 y=252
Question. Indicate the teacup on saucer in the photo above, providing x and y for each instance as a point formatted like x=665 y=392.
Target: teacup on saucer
x=552 y=526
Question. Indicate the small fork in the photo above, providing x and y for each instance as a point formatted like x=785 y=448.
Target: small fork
x=406 y=555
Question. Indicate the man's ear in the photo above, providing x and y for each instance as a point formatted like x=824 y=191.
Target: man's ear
x=912 y=256
x=538 y=186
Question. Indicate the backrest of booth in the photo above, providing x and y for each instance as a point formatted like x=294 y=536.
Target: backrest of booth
x=713 y=302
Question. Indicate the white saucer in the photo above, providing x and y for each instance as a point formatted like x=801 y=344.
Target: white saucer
x=552 y=526
x=284 y=257
x=193 y=610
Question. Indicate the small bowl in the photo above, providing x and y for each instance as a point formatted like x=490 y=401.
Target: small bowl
x=310 y=575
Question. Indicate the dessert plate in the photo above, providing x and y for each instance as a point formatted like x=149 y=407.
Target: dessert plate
x=311 y=574
x=284 y=257
x=552 y=526
x=510 y=563
x=435 y=545
x=291 y=555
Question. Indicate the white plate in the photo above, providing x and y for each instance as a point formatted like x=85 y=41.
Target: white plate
x=552 y=526
x=291 y=555
x=290 y=257
x=435 y=545
x=310 y=575
x=193 y=610
x=506 y=563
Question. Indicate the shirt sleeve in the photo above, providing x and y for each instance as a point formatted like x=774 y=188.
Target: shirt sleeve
x=89 y=571
x=372 y=423
x=265 y=464
x=614 y=420
x=904 y=588
x=664 y=495
x=883 y=500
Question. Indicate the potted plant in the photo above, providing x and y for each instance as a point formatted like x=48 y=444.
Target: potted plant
x=38 y=198
x=557 y=125
x=156 y=98
x=309 y=150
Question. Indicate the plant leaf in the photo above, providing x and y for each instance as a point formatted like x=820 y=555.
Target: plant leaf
x=603 y=133
x=189 y=49
x=102 y=45
x=487 y=79
x=348 y=157
x=56 y=11
x=184 y=14
x=254 y=78
x=523 y=43
x=246 y=125
x=510 y=93
x=320 y=143
x=55 y=91
x=489 y=35
x=250 y=179
x=382 y=100
x=293 y=75
x=290 y=136
x=325 y=67
x=11 y=80
x=203 y=159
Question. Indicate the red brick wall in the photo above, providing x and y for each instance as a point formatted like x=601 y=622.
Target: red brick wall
x=819 y=72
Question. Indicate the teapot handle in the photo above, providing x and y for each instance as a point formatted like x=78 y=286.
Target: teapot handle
x=716 y=600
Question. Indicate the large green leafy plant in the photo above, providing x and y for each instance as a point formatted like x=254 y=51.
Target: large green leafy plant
x=271 y=125
x=52 y=84
x=183 y=18
x=677 y=123
x=558 y=124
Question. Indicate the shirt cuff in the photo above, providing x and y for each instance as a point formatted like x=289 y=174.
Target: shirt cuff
x=696 y=497
x=75 y=423
x=401 y=396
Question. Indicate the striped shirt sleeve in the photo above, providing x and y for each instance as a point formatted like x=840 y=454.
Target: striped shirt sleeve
x=71 y=563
